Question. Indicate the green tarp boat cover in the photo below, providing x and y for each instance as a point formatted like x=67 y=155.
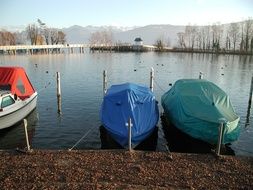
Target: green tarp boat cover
x=195 y=106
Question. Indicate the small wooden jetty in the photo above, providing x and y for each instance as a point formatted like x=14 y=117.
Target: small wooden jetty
x=122 y=48
x=99 y=169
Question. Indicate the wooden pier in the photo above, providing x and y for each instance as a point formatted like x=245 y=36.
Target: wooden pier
x=122 y=48
x=73 y=48
x=32 y=49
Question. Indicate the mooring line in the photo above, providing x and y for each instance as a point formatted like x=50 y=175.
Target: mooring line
x=45 y=87
x=81 y=139
x=159 y=86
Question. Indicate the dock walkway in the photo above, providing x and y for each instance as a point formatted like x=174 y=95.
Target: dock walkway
x=110 y=169
x=30 y=49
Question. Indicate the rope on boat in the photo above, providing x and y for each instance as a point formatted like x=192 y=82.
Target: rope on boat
x=45 y=87
x=85 y=135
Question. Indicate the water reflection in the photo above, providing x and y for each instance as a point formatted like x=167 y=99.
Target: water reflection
x=181 y=142
x=107 y=142
x=14 y=137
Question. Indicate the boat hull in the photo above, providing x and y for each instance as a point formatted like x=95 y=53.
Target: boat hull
x=178 y=141
x=147 y=144
x=24 y=108
x=136 y=140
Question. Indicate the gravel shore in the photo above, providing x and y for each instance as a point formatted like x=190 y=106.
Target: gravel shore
x=119 y=169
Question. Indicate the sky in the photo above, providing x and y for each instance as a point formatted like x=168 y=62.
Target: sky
x=127 y=13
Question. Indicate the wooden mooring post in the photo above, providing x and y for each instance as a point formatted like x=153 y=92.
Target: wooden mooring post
x=221 y=133
x=58 y=79
x=104 y=82
x=26 y=135
x=152 y=79
x=249 y=102
x=200 y=75
x=250 y=93
x=129 y=125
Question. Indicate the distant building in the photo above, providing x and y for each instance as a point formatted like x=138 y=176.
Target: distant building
x=138 y=42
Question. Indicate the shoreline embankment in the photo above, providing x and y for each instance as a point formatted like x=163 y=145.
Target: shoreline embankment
x=120 y=169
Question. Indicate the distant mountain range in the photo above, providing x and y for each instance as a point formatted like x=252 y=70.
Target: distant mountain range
x=79 y=34
x=149 y=34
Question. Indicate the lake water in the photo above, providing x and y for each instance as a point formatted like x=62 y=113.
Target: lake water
x=81 y=82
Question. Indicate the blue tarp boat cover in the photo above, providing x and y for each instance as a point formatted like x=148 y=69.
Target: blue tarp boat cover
x=195 y=106
x=125 y=101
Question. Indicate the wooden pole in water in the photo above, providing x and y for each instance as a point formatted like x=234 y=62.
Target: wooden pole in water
x=104 y=82
x=250 y=93
x=200 y=75
x=58 y=91
x=129 y=124
x=249 y=103
x=152 y=79
x=26 y=135
x=220 y=139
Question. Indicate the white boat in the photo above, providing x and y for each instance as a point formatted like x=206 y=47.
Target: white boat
x=17 y=96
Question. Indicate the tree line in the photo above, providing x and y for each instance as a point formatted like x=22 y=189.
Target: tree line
x=36 y=33
x=104 y=37
x=233 y=37
x=7 y=38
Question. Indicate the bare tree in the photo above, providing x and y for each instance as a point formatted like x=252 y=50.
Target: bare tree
x=228 y=42
x=39 y=40
x=57 y=36
x=21 y=37
x=47 y=35
x=199 y=37
x=53 y=36
x=233 y=33
x=61 y=37
x=190 y=35
x=32 y=33
x=208 y=38
x=104 y=37
x=2 y=39
x=203 y=37
x=217 y=31
x=193 y=36
x=181 y=39
x=242 y=37
x=45 y=31
x=159 y=44
x=7 y=38
x=251 y=45
x=248 y=33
